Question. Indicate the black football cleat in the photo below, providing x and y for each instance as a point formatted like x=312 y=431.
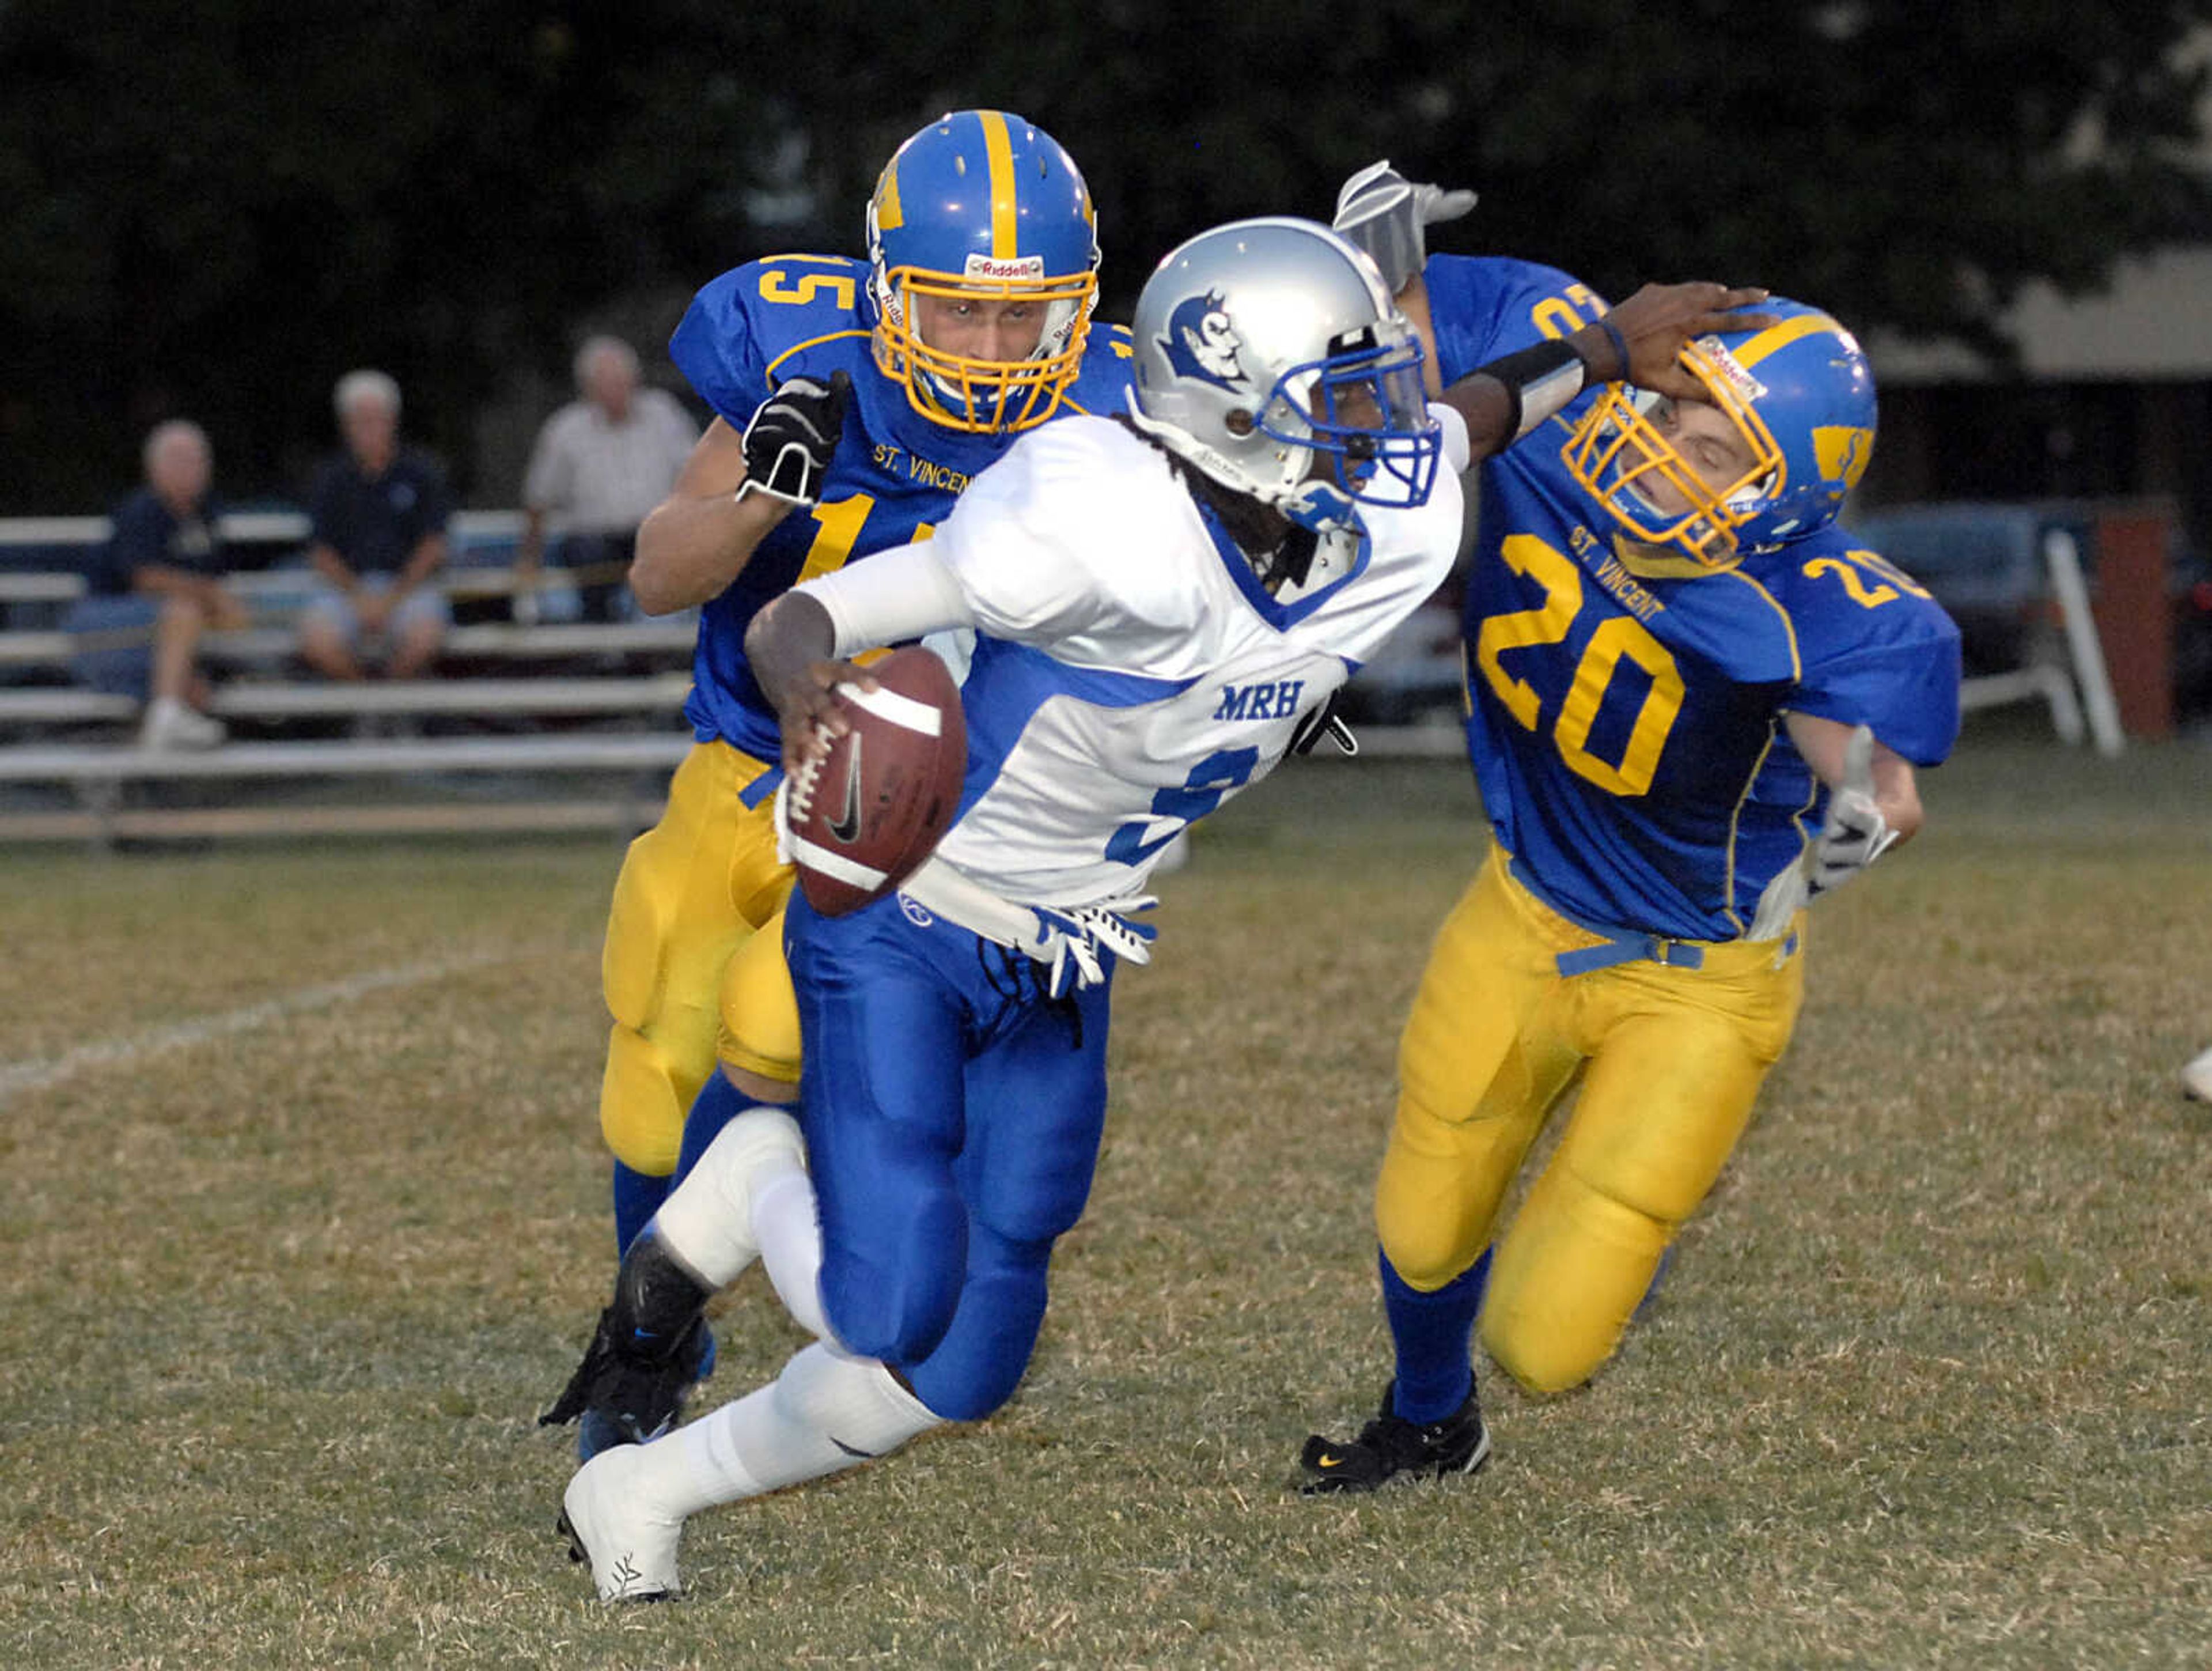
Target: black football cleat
x=1390 y=1445
x=628 y=1393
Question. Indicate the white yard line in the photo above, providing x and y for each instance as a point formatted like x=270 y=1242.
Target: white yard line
x=16 y=1076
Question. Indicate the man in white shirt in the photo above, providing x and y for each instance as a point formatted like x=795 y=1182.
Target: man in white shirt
x=600 y=464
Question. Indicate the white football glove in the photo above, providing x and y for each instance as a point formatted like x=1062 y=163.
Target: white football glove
x=1382 y=212
x=1853 y=835
x=1074 y=936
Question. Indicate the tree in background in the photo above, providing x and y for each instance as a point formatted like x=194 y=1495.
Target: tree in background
x=218 y=207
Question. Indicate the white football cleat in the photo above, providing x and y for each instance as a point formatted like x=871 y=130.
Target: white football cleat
x=631 y=1549
x=2196 y=1077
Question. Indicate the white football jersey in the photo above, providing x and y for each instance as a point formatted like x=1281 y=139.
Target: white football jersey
x=1130 y=673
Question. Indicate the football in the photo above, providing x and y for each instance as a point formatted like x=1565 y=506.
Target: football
x=866 y=814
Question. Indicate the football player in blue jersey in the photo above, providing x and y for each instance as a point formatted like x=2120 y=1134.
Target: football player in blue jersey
x=854 y=399
x=1694 y=704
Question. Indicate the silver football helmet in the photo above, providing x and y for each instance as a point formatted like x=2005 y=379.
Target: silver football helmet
x=1270 y=356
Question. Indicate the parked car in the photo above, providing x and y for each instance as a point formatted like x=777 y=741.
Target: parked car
x=1985 y=564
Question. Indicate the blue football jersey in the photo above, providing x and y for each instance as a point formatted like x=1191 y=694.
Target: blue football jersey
x=1482 y=306
x=896 y=474
x=1625 y=707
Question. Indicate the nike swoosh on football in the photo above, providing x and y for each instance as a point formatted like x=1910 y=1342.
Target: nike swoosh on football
x=846 y=829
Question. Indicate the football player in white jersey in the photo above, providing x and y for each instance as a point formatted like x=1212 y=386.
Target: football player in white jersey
x=1160 y=601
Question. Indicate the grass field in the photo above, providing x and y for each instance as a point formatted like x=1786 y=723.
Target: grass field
x=304 y=1219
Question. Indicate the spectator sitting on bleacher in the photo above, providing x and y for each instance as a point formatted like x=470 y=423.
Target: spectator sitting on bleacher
x=601 y=463
x=379 y=511
x=162 y=568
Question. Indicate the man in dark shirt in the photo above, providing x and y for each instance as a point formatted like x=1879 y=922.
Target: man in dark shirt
x=163 y=567
x=379 y=512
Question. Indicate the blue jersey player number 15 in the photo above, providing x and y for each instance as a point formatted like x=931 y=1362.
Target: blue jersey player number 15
x=854 y=401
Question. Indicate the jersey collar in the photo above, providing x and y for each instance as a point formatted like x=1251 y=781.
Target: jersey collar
x=1276 y=612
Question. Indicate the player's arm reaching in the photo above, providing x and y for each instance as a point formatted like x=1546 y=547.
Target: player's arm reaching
x=1387 y=215
x=1637 y=343
x=732 y=490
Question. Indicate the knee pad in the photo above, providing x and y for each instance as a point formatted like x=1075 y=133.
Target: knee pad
x=983 y=1356
x=1432 y=1214
x=758 y=1012
x=706 y=1221
x=1568 y=1277
x=894 y=1298
x=643 y=1097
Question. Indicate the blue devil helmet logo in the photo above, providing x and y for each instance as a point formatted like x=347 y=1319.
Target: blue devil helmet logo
x=1201 y=343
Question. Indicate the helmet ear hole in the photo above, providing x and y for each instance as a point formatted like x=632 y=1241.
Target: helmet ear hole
x=1239 y=423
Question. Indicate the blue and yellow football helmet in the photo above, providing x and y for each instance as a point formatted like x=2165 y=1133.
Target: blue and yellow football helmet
x=1799 y=393
x=982 y=205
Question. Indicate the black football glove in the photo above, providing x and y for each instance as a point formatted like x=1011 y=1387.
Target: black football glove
x=1324 y=722
x=792 y=437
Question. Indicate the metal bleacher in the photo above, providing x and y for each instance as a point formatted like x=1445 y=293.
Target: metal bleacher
x=559 y=725
x=564 y=724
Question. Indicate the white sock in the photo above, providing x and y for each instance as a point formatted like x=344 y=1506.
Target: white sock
x=790 y=1237
x=827 y=1412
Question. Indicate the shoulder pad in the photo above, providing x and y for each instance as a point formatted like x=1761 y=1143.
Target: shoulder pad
x=789 y=300
x=1109 y=363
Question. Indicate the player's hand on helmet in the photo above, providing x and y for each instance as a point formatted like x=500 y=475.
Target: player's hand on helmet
x=1386 y=215
x=793 y=436
x=1640 y=341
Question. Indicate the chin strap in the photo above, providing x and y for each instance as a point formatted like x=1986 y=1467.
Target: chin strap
x=1323 y=508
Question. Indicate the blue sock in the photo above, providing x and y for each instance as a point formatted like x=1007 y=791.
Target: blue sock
x=1434 y=1334
x=718 y=1103
x=638 y=1195
x=1666 y=1259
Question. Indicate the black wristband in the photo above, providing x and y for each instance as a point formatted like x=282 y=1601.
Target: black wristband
x=1540 y=380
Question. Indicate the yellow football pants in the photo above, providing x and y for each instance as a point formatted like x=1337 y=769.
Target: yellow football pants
x=694 y=891
x=1671 y=1060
